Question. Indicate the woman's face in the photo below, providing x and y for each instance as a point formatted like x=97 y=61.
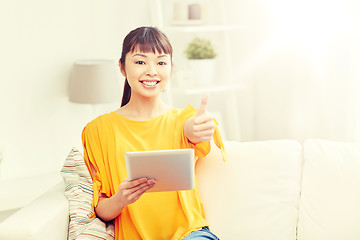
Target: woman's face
x=147 y=73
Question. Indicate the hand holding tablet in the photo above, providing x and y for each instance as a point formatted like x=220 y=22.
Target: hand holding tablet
x=131 y=191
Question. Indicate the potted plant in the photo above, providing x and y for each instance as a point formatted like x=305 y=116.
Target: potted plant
x=201 y=56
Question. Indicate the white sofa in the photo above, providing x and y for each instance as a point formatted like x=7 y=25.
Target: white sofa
x=268 y=190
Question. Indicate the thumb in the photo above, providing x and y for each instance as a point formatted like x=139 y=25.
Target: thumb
x=204 y=101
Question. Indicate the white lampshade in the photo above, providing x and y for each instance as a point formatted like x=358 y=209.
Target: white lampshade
x=94 y=82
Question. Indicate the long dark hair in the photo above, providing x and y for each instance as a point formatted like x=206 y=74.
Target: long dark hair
x=148 y=39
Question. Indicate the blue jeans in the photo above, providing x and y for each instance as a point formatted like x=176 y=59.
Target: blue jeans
x=202 y=234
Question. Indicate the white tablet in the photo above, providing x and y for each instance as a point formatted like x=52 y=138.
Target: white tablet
x=173 y=169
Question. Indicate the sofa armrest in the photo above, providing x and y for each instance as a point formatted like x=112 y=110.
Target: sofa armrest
x=47 y=217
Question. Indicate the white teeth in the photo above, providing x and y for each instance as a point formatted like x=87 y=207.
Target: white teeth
x=149 y=83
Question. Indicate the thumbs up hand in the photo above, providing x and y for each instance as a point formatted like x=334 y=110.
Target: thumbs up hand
x=201 y=127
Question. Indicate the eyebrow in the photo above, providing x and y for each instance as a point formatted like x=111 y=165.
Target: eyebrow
x=143 y=55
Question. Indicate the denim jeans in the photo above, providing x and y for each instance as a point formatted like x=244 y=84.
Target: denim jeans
x=202 y=234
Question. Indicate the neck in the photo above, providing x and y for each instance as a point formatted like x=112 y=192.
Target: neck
x=145 y=108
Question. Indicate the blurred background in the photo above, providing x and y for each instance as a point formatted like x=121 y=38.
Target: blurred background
x=284 y=69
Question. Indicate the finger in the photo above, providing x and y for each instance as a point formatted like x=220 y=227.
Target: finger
x=130 y=194
x=204 y=118
x=143 y=185
x=149 y=182
x=133 y=183
x=140 y=191
x=206 y=132
x=136 y=195
x=204 y=127
x=204 y=101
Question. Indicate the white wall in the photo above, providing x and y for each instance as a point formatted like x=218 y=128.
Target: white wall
x=300 y=60
x=40 y=40
x=305 y=61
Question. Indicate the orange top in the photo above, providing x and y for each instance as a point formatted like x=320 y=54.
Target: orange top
x=158 y=215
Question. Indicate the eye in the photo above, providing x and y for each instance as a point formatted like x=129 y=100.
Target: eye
x=162 y=63
x=140 y=62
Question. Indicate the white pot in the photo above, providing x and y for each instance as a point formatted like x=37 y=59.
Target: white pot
x=202 y=71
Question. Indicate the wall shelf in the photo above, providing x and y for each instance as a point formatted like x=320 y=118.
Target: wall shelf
x=218 y=29
x=202 y=28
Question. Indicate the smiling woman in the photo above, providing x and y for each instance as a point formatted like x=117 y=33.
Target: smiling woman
x=139 y=45
x=144 y=123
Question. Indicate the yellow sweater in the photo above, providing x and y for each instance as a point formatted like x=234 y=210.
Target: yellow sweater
x=160 y=215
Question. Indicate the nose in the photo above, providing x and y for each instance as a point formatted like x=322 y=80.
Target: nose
x=151 y=70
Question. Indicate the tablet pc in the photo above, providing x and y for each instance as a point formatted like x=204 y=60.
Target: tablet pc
x=173 y=170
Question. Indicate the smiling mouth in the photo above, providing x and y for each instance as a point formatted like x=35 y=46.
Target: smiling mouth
x=149 y=83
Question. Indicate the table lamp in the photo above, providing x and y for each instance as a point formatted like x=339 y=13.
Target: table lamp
x=94 y=82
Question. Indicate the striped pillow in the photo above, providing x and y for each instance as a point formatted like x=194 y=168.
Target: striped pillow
x=79 y=193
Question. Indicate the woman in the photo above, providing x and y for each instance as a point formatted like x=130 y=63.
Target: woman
x=144 y=122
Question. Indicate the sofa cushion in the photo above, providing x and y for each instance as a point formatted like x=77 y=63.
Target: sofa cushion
x=79 y=192
x=330 y=197
x=255 y=194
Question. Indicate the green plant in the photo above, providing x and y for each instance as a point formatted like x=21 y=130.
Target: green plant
x=200 y=49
